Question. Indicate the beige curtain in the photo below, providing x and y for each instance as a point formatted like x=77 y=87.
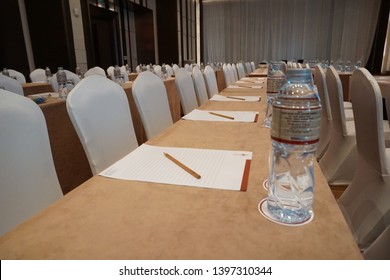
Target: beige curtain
x=256 y=30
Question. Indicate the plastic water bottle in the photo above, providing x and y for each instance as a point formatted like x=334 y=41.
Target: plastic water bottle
x=118 y=75
x=294 y=133
x=5 y=72
x=61 y=80
x=275 y=80
x=48 y=74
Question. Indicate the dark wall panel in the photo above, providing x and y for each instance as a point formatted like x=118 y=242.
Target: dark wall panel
x=51 y=34
x=168 y=50
x=144 y=34
x=12 y=47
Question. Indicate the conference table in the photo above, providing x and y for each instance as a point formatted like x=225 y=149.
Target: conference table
x=34 y=88
x=107 y=218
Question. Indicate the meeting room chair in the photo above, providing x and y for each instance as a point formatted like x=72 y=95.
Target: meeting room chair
x=211 y=81
x=185 y=87
x=151 y=100
x=338 y=161
x=110 y=71
x=240 y=70
x=11 y=85
x=366 y=202
x=235 y=74
x=100 y=113
x=38 y=75
x=228 y=75
x=157 y=70
x=253 y=66
x=18 y=76
x=379 y=249
x=326 y=115
x=199 y=85
x=28 y=177
x=188 y=67
x=175 y=68
x=95 y=71
x=231 y=70
x=169 y=70
x=72 y=80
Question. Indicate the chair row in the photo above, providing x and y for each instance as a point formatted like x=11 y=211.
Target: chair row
x=353 y=153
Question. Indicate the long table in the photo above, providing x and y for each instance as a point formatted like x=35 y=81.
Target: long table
x=116 y=219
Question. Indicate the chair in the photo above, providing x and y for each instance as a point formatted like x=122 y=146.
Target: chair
x=110 y=71
x=227 y=74
x=185 y=87
x=188 y=67
x=95 y=71
x=99 y=111
x=169 y=70
x=338 y=162
x=200 y=86
x=38 y=75
x=253 y=66
x=72 y=80
x=18 y=76
x=211 y=81
x=234 y=68
x=240 y=70
x=379 y=249
x=157 y=70
x=233 y=73
x=175 y=68
x=124 y=73
x=150 y=97
x=366 y=202
x=248 y=68
x=28 y=177
x=326 y=115
x=11 y=85
x=138 y=69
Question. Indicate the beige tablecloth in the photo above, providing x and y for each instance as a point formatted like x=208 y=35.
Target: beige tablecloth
x=115 y=219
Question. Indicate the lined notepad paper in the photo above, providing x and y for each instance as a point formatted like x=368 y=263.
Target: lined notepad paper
x=219 y=169
x=218 y=97
x=238 y=116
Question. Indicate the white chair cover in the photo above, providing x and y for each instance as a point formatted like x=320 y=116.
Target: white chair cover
x=19 y=76
x=99 y=111
x=28 y=178
x=200 y=86
x=233 y=77
x=235 y=74
x=95 y=71
x=366 y=202
x=227 y=74
x=211 y=81
x=338 y=162
x=240 y=70
x=150 y=97
x=11 y=85
x=175 y=68
x=185 y=87
x=157 y=70
x=326 y=115
x=169 y=70
x=253 y=66
x=38 y=75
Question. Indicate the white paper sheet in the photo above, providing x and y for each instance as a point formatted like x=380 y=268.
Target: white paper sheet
x=204 y=115
x=251 y=79
x=219 y=169
x=244 y=87
x=250 y=82
x=218 y=97
x=45 y=94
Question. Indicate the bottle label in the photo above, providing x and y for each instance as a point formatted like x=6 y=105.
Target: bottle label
x=274 y=84
x=295 y=125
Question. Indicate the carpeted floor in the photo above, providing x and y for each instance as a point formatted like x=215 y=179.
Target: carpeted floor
x=337 y=190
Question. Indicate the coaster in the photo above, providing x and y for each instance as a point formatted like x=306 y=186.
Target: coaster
x=263 y=209
x=265 y=184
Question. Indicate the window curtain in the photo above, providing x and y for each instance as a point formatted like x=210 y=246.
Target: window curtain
x=386 y=57
x=257 y=30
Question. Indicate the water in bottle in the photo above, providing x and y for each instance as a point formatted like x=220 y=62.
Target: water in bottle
x=118 y=78
x=275 y=80
x=294 y=134
x=61 y=80
x=48 y=74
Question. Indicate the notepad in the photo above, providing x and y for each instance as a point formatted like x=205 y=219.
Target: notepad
x=218 y=97
x=45 y=95
x=219 y=169
x=238 y=116
x=250 y=82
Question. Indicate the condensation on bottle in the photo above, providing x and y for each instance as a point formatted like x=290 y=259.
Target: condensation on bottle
x=276 y=78
x=294 y=134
